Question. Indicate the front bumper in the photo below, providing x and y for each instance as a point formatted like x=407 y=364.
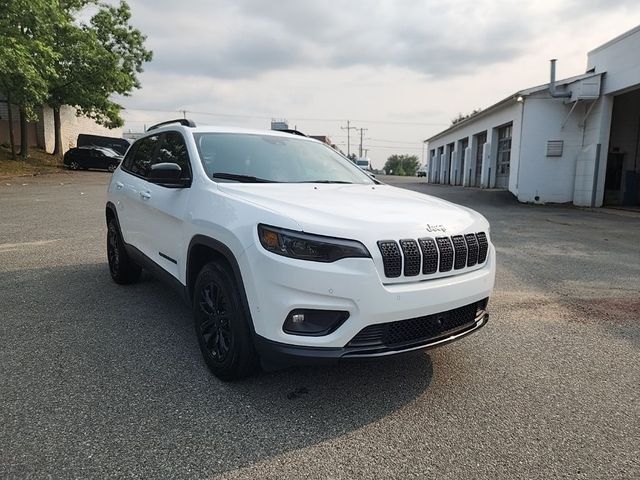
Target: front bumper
x=276 y=285
x=278 y=354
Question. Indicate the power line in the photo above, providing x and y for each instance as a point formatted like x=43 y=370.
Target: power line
x=304 y=119
x=417 y=142
x=386 y=147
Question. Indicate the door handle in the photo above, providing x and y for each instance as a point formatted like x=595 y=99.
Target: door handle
x=119 y=185
x=145 y=195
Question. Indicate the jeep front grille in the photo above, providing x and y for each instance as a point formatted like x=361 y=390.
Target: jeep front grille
x=430 y=256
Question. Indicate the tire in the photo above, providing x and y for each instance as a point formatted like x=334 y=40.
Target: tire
x=221 y=324
x=74 y=165
x=112 y=167
x=123 y=270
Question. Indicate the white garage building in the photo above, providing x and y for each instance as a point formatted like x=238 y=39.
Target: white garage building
x=573 y=140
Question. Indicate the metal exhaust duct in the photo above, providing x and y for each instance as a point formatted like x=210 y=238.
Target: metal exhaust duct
x=552 y=83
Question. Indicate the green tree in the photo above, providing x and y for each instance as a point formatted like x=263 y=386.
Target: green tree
x=402 y=165
x=96 y=61
x=26 y=57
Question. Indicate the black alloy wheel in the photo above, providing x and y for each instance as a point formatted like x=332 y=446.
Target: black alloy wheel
x=215 y=328
x=221 y=324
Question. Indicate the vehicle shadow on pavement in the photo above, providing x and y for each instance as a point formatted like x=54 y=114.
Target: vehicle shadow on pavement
x=101 y=379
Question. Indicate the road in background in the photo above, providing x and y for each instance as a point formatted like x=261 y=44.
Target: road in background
x=103 y=380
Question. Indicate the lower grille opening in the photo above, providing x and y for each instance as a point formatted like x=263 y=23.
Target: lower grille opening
x=417 y=330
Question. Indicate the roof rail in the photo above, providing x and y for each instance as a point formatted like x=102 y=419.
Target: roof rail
x=292 y=132
x=182 y=121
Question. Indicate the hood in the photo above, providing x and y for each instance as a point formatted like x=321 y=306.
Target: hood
x=372 y=212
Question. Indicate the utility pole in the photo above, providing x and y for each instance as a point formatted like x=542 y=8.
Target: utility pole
x=184 y=114
x=362 y=130
x=348 y=128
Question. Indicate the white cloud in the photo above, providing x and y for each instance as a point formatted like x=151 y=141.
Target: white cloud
x=388 y=60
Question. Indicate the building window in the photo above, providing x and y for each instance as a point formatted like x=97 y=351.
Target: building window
x=504 y=149
x=481 y=140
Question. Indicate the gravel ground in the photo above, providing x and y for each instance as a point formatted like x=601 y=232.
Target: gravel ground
x=99 y=380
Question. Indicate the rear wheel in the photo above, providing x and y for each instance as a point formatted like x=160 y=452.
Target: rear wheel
x=123 y=270
x=112 y=167
x=221 y=324
x=74 y=165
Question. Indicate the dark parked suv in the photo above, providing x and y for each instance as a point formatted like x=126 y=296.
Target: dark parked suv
x=92 y=157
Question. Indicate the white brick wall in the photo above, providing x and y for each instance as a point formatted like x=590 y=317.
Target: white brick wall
x=72 y=126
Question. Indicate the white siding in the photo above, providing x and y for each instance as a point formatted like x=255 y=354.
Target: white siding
x=509 y=113
x=72 y=126
x=545 y=179
x=620 y=59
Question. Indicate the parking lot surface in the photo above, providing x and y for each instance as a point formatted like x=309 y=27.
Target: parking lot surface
x=100 y=380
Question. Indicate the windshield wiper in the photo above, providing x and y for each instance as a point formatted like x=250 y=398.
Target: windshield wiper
x=326 y=181
x=241 y=178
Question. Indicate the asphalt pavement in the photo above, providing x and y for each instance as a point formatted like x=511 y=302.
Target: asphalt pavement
x=100 y=380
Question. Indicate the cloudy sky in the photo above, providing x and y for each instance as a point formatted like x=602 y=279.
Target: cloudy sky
x=402 y=69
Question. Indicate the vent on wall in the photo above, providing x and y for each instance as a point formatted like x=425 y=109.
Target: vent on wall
x=555 y=148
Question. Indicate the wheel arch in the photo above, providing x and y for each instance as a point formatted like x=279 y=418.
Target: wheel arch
x=203 y=249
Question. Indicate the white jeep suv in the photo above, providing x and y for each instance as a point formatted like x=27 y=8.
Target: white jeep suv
x=289 y=253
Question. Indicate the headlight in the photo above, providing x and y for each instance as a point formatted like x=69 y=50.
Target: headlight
x=305 y=246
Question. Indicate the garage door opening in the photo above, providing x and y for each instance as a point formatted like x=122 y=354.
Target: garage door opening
x=622 y=180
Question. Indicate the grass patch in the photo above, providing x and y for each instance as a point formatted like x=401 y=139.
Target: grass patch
x=39 y=162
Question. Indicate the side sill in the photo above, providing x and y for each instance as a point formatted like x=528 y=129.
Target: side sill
x=157 y=271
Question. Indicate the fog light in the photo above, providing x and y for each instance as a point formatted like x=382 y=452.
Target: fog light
x=314 y=322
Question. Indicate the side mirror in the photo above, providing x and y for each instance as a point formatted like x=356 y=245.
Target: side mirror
x=168 y=175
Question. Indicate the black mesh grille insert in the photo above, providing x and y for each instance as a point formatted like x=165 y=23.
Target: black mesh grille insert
x=429 y=255
x=391 y=258
x=411 y=254
x=472 y=247
x=483 y=246
x=460 y=247
x=416 y=330
x=446 y=253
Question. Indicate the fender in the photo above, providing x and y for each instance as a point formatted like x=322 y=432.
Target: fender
x=224 y=251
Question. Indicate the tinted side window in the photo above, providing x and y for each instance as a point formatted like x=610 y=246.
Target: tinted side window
x=143 y=156
x=174 y=150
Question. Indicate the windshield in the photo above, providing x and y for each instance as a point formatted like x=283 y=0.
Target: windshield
x=236 y=157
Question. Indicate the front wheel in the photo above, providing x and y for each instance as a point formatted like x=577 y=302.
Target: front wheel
x=112 y=167
x=74 y=165
x=221 y=324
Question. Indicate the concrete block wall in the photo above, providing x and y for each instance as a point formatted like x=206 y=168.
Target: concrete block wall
x=72 y=126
